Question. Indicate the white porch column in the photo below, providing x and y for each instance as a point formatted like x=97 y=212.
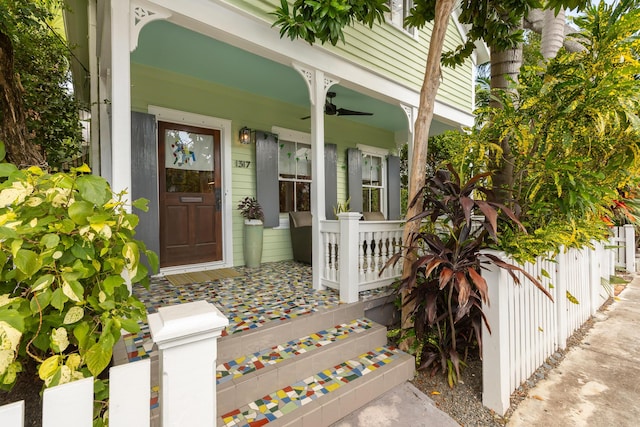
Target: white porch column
x=186 y=335
x=412 y=113
x=94 y=96
x=317 y=172
x=120 y=96
x=318 y=84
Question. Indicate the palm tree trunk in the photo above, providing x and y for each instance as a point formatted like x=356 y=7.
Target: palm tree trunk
x=505 y=67
x=421 y=134
x=552 y=33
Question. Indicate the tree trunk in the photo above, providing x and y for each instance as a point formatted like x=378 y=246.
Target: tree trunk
x=13 y=129
x=419 y=159
x=552 y=33
x=535 y=21
x=505 y=67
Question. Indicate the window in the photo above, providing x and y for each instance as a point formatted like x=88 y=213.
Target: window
x=372 y=183
x=294 y=174
x=399 y=9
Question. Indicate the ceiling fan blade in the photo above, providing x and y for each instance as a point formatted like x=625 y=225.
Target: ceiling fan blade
x=345 y=112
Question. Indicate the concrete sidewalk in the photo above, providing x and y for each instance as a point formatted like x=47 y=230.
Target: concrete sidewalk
x=598 y=381
x=404 y=405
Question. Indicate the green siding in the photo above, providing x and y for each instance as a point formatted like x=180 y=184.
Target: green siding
x=393 y=53
x=152 y=86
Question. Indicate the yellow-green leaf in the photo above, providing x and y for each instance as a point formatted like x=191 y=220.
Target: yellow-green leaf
x=79 y=212
x=73 y=315
x=27 y=261
x=97 y=358
x=59 y=340
x=49 y=367
x=50 y=240
x=42 y=282
x=73 y=290
x=572 y=298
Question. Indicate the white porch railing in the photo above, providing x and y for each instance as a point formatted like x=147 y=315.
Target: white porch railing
x=526 y=327
x=355 y=253
x=624 y=240
x=186 y=335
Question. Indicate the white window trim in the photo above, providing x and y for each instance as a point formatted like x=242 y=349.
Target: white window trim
x=410 y=32
x=291 y=136
x=379 y=152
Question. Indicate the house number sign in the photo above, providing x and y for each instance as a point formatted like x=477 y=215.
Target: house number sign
x=243 y=164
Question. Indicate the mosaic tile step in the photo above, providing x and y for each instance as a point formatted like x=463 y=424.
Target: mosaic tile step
x=279 y=353
x=284 y=401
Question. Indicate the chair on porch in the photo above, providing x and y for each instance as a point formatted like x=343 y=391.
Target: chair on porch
x=300 y=230
x=373 y=216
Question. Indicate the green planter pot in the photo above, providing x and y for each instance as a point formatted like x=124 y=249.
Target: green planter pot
x=252 y=242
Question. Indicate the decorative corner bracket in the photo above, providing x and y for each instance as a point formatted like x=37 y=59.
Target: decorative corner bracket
x=309 y=78
x=141 y=15
x=408 y=110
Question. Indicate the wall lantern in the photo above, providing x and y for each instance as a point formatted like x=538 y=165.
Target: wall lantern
x=245 y=135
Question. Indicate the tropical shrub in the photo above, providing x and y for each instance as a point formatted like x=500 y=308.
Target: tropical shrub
x=67 y=251
x=574 y=131
x=445 y=280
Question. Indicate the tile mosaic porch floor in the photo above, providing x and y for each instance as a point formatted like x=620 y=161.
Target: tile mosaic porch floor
x=275 y=291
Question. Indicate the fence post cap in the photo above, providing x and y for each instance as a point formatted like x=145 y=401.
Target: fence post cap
x=187 y=322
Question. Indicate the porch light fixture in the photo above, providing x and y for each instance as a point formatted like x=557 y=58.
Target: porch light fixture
x=244 y=135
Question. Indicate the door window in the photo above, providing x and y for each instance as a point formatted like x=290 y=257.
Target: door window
x=189 y=162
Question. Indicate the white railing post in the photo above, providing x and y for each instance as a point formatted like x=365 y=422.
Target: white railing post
x=495 y=345
x=186 y=335
x=630 y=248
x=561 y=297
x=348 y=253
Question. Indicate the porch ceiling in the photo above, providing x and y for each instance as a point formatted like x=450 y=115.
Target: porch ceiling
x=162 y=45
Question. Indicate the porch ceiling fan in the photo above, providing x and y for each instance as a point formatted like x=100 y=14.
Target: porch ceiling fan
x=330 y=109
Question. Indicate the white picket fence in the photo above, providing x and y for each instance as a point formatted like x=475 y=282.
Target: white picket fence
x=186 y=336
x=624 y=242
x=527 y=327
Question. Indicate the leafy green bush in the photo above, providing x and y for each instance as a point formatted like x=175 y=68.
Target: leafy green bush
x=67 y=249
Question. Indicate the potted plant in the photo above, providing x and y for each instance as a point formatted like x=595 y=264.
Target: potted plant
x=253 y=216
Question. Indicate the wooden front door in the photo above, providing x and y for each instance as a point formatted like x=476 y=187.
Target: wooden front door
x=190 y=196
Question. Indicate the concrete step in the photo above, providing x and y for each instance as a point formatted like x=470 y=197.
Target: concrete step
x=254 y=375
x=328 y=395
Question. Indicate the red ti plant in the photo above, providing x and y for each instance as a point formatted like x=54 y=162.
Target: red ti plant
x=445 y=283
